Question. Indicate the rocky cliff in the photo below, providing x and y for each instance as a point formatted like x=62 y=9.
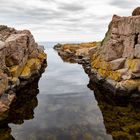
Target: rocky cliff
x=20 y=58
x=115 y=62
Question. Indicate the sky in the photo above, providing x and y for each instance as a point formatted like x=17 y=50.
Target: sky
x=64 y=20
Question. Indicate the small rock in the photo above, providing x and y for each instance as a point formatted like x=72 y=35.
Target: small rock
x=117 y=63
x=136 y=12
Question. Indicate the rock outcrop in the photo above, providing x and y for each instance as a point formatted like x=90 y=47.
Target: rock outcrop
x=74 y=52
x=136 y=12
x=115 y=62
x=117 y=59
x=20 y=58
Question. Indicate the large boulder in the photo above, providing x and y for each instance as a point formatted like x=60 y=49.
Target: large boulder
x=20 y=58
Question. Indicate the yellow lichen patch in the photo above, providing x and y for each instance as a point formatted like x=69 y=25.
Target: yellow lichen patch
x=42 y=56
x=90 y=44
x=114 y=75
x=104 y=68
x=15 y=71
x=99 y=63
x=131 y=84
x=74 y=47
x=133 y=64
x=31 y=66
x=94 y=56
x=103 y=73
x=26 y=73
x=96 y=63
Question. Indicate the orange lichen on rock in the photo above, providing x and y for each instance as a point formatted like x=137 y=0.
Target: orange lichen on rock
x=20 y=57
x=133 y=64
x=131 y=84
x=114 y=75
x=99 y=63
x=74 y=47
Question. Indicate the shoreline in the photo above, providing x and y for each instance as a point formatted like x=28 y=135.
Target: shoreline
x=113 y=63
x=10 y=95
x=101 y=83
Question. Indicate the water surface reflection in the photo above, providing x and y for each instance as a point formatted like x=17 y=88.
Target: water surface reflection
x=121 y=117
x=66 y=109
x=21 y=110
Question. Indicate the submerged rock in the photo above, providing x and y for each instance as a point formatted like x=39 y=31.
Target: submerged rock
x=20 y=59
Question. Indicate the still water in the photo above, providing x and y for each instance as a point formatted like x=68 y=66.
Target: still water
x=60 y=106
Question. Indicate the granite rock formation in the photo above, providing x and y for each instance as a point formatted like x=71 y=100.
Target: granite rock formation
x=20 y=58
x=115 y=62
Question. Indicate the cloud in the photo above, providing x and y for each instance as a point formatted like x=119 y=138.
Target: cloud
x=124 y=3
x=63 y=20
x=73 y=7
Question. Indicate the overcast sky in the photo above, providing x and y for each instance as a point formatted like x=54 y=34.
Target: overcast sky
x=64 y=20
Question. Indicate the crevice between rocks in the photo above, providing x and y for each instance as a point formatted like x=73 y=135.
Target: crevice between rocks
x=136 y=39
